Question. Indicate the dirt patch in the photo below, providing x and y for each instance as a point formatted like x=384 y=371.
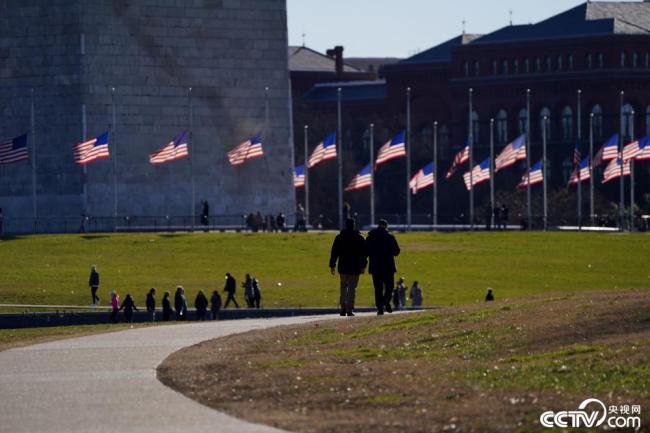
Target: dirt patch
x=478 y=368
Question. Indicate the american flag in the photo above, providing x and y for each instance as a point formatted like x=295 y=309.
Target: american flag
x=175 y=149
x=631 y=150
x=460 y=158
x=581 y=172
x=92 y=150
x=577 y=156
x=480 y=173
x=512 y=153
x=422 y=178
x=613 y=170
x=325 y=150
x=299 y=176
x=536 y=176
x=249 y=149
x=644 y=146
x=361 y=180
x=394 y=148
x=13 y=150
x=608 y=152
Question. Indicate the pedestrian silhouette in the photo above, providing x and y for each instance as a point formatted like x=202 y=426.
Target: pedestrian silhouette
x=93 y=283
x=382 y=248
x=230 y=288
x=201 y=305
x=167 y=307
x=128 y=306
x=215 y=304
x=349 y=251
x=489 y=296
x=151 y=304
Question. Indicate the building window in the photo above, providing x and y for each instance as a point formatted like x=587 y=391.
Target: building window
x=570 y=62
x=597 y=111
x=647 y=121
x=623 y=59
x=522 y=121
x=538 y=65
x=567 y=123
x=466 y=68
x=502 y=126
x=628 y=122
x=477 y=68
x=560 y=64
x=635 y=59
x=601 y=60
x=527 y=66
x=549 y=64
x=515 y=66
x=495 y=67
x=504 y=67
x=545 y=112
x=475 y=126
x=589 y=62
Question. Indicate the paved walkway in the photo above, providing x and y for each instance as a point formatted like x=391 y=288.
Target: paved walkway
x=107 y=383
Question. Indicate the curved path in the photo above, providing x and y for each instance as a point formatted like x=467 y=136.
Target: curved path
x=107 y=383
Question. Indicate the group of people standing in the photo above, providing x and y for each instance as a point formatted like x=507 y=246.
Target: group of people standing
x=257 y=222
x=351 y=253
x=415 y=295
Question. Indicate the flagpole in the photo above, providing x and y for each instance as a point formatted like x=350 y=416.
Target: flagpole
x=372 y=174
x=471 y=161
x=435 y=175
x=114 y=143
x=84 y=134
x=339 y=154
x=33 y=127
x=267 y=134
x=621 y=211
x=408 y=157
x=544 y=185
x=631 y=178
x=528 y=197
x=591 y=168
x=579 y=111
x=306 y=135
x=191 y=151
x=491 y=173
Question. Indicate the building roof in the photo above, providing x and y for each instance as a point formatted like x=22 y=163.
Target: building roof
x=441 y=52
x=351 y=91
x=587 y=19
x=305 y=59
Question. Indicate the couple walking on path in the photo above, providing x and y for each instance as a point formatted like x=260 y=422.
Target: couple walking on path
x=353 y=252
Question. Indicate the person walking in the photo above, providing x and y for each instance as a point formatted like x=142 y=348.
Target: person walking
x=382 y=248
x=416 y=295
x=201 y=305
x=115 y=304
x=180 y=303
x=230 y=288
x=248 y=291
x=167 y=307
x=257 y=293
x=349 y=251
x=215 y=304
x=151 y=303
x=401 y=292
x=128 y=306
x=93 y=283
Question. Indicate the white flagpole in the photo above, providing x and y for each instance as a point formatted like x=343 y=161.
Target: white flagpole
x=544 y=174
x=622 y=179
x=491 y=173
x=372 y=174
x=632 y=178
x=339 y=153
x=191 y=150
x=408 y=157
x=591 y=168
x=435 y=175
x=529 y=212
x=33 y=127
x=114 y=143
x=471 y=162
x=84 y=133
x=579 y=113
x=306 y=172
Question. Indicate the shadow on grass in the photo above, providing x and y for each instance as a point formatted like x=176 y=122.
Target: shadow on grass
x=93 y=237
x=10 y=237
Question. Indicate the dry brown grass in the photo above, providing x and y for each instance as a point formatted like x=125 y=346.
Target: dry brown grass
x=477 y=368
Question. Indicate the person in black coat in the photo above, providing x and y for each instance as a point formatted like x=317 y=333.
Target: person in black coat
x=215 y=304
x=128 y=306
x=382 y=248
x=230 y=288
x=201 y=305
x=93 y=283
x=178 y=303
x=167 y=307
x=350 y=252
x=151 y=303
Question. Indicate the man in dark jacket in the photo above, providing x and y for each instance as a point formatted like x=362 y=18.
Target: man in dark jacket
x=349 y=250
x=151 y=303
x=230 y=288
x=93 y=283
x=382 y=248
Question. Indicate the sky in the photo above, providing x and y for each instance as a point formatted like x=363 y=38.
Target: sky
x=401 y=28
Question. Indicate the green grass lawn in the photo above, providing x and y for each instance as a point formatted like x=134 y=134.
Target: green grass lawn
x=292 y=268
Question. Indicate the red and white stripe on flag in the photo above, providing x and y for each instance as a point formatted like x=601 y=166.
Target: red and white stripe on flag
x=613 y=170
x=91 y=150
x=249 y=149
x=512 y=153
x=321 y=154
x=169 y=152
